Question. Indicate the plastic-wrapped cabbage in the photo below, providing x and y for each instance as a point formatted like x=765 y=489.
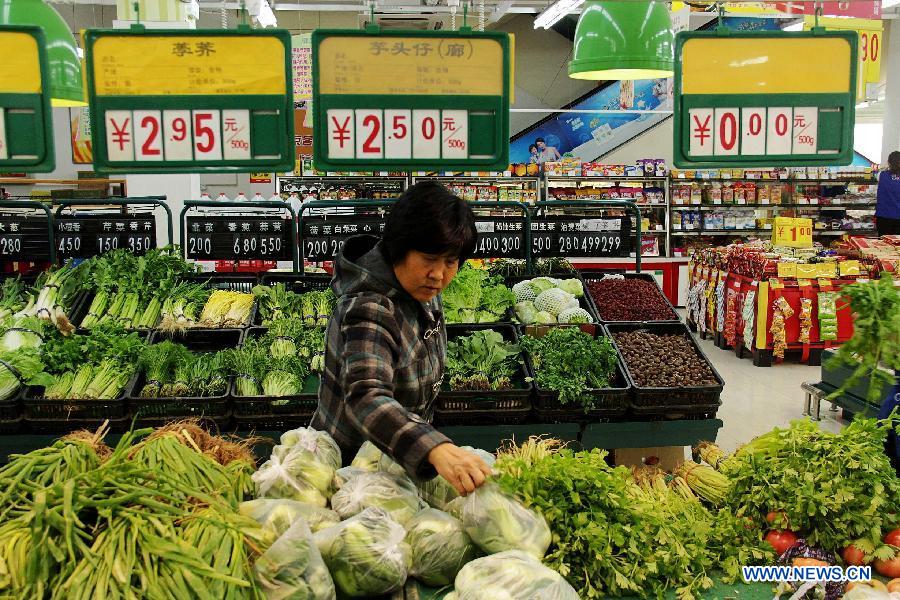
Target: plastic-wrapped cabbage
x=523 y=291
x=322 y=445
x=554 y=301
x=510 y=575
x=496 y=522
x=396 y=495
x=279 y=515
x=575 y=315
x=367 y=457
x=438 y=492
x=366 y=554
x=573 y=286
x=292 y=568
x=387 y=465
x=295 y=475
x=525 y=312
x=439 y=547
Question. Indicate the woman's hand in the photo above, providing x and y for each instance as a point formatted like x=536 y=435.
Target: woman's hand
x=461 y=468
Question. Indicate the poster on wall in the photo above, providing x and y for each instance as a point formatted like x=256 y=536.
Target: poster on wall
x=589 y=136
x=80 y=122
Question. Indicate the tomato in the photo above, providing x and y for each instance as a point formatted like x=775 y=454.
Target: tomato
x=854 y=556
x=893 y=586
x=893 y=538
x=889 y=568
x=781 y=540
x=777 y=518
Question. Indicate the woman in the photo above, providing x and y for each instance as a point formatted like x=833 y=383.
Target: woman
x=887 y=206
x=387 y=343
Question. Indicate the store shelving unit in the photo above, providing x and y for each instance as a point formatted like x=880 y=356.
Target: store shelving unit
x=487 y=188
x=340 y=187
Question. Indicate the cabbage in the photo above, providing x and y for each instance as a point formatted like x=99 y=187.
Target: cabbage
x=367 y=457
x=544 y=318
x=292 y=567
x=525 y=311
x=279 y=515
x=511 y=575
x=541 y=284
x=438 y=492
x=439 y=547
x=572 y=286
x=366 y=554
x=323 y=447
x=396 y=495
x=496 y=522
x=575 y=315
x=294 y=474
x=523 y=291
x=553 y=301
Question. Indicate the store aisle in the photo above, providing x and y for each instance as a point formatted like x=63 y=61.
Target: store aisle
x=757 y=399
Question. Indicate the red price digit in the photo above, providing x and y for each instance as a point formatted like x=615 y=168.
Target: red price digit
x=147 y=148
x=781 y=124
x=874 y=44
x=179 y=126
x=375 y=123
x=428 y=128
x=728 y=130
x=755 y=124
x=201 y=130
x=400 y=126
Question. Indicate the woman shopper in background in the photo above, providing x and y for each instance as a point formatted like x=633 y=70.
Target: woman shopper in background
x=887 y=207
x=387 y=343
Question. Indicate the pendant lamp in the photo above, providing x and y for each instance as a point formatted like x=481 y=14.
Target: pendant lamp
x=619 y=39
x=66 y=86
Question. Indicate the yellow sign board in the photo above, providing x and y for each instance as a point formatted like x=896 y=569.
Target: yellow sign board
x=410 y=66
x=792 y=232
x=778 y=66
x=870 y=47
x=192 y=65
x=20 y=68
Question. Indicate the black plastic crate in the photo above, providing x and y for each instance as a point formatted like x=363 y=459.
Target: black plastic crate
x=35 y=406
x=11 y=409
x=477 y=407
x=62 y=427
x=584 y=302
x=299 y=283
x=235 y=282
x=668 y=402
x=259 y=411
x=609 y=403
x=9 y=427
x=590 y=276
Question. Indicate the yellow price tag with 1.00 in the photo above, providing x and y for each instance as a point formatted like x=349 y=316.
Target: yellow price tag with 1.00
x=792 y=232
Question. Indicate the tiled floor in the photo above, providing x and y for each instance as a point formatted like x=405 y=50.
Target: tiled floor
x=756 y=399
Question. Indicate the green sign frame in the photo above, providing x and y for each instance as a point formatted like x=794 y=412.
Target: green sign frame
x=488 y=119
x=835 y=125
x=271 y=115
x=30 y=133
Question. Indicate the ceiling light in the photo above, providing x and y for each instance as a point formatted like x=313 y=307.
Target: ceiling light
x=556 y=11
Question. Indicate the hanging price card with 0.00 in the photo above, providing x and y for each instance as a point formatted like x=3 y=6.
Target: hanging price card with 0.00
x=763 y=98
x=168 y=101
x=411 y=101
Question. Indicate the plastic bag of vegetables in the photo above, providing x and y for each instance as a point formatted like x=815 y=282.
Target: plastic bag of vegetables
x=510 y=575
x=322 y=445
x=438 y=492
x=292 y=567
x=396 y=495
x=367 y=457
x=295 y=474
x=279 y=515
x=366 y=554
x=496 y=522
x=439 y=547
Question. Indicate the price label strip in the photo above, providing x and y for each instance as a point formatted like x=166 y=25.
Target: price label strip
x=580 y=236
x=23 y=238
x=500 y=237
x=85 y=236
x=323 y=237
x=238 y=237
x=734 y=105
x=169 y=101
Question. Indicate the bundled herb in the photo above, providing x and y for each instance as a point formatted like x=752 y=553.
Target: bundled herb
x=481 y=361
x=569 y=361
x=258 y=373
x=475 y=296
x=248 y=364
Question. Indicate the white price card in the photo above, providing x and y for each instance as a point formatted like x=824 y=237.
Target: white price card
x=753 y=131
x=727 y=131
x=702 y=131
x=398 y=134
x=806 y=129
x=369 y=134
x=426 y=134
x=177 y=131
x=455 y=134
x=119 y=135
x=148 y=136
x=340 y=133
x=207 y=135
x=236 y=134
x=4 y=152
x=778 y=131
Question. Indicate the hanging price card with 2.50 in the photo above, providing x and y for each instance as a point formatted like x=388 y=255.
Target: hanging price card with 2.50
x=167 y=101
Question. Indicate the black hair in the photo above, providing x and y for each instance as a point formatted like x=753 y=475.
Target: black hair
x=540 y=141
x=532 y=147
x=429 y=218
x=894 y=158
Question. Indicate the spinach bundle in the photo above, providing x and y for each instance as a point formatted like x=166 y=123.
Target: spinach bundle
x=481 y=361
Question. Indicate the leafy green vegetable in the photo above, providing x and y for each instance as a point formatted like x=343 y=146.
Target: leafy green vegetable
x=507 y=576
x=497 y=521
x=277 y=514
x=481 y=361
x=395 y=494
x=294 y=473
x=22 y=366
x=292 y=567
x=474 y=296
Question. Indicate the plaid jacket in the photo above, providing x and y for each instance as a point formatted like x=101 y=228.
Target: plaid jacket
x=384 y=361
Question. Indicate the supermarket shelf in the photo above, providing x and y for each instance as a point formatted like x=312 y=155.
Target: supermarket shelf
x=752 y=231
x=865 y=206
x=860 y=180
x=640 y=206
x=643 y=231
x=570 y=178
x=502 y=179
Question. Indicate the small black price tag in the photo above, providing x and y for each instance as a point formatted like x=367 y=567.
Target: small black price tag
x=84 y=236
x=580 y=236
x=500 y=237
x=238 y=237
x=23 y=238
x=323 y=237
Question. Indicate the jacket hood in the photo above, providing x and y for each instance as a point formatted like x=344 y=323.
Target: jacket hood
x=362 y=267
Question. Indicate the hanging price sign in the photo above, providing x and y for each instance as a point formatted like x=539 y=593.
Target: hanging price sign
x=792 y=232
x=580 y=236
x=500 y=237
x=869 y=50
x=763 y=98
x=417 y=101
x=26 y=121
x=84 y=236
x=238 y=237
x=167 y=101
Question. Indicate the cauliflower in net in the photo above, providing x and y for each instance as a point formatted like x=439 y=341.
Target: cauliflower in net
x=523 y=291
x=554 y=301
x=575 y=315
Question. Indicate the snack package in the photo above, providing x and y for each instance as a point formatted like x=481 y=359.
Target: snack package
x=496 y=522
x=292 y=567
x=805 y=320
x=511 y=574
x=779 y=337
x=828 y=323
x=786 y=309
x=748 y=315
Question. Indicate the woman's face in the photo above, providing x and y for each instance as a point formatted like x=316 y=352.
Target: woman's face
x=424 y=276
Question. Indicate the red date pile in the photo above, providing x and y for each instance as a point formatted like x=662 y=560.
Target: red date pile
x=630 y=300
x=667 y=360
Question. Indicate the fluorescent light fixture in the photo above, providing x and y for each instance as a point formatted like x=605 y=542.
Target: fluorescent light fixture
x=557 y=11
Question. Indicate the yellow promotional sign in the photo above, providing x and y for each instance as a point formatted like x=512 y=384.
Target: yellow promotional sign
x=410 y=66
x=191 y=65
x=871 y=43
x=20 y=68
x=792 y=232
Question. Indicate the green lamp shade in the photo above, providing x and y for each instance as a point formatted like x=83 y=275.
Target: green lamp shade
x=623 y=40
x=66 y=86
